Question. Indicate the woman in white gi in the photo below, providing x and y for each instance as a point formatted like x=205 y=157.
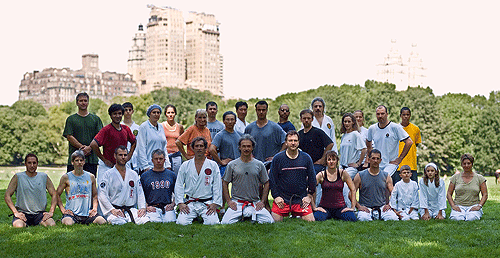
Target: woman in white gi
x=467 y=185
x=404 y=196
x=150 y=137
x=432 y=194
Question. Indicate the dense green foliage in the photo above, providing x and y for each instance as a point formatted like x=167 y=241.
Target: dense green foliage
x=451 y=124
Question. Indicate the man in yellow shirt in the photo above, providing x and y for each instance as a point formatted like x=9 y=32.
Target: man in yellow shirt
x=411 y=157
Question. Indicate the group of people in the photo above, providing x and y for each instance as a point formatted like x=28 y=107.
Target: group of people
x=140 y=175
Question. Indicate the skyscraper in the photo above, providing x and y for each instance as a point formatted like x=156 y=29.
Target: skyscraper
x=203 y=59
x=165 y=64
x=137 y=59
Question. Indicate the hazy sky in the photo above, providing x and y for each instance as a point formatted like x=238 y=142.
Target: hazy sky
x=269 y=47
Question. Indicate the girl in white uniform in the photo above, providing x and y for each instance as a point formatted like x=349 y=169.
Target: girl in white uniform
x=432 y=194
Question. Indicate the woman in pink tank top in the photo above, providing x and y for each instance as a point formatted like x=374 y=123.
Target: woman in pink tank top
x=172 y=131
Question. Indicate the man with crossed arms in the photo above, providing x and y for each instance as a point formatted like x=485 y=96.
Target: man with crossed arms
x=246 y=175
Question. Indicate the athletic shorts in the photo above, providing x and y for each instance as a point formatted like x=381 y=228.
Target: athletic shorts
x=31 y=219
x=296 y=210
x=86 y=220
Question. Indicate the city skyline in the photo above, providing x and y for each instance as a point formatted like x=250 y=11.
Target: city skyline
x=269 y=48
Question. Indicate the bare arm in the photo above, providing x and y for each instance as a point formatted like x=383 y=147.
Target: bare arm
x=408 y=142
x=93 y=212
x=8 y=195
x=180 y=146
x=449 y=196
x=52 y=191
x=352 y=195
x=357 y=185
x=321 y=161
x=213 y=152
x=264 y=197
x=369 y=148
x=62 y=186
x=97 y=151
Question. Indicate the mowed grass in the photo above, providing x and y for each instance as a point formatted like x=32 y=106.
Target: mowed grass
x=292 y=238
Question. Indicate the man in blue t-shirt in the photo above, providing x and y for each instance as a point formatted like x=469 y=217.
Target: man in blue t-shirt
x=269 y=136
x=284 y=113
x=213 y=125
x=226 y=143
x=158 y=185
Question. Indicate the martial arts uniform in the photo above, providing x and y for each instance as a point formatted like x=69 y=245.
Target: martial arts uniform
x=404 y=196
x=198 y=191
x=123 y=194
x=432 y=198
x=328 y=127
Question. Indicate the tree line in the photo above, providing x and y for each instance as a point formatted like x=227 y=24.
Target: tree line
x=451 y=124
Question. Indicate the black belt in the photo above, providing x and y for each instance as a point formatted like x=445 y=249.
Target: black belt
x=190 y=199
x=126 y=209
x=377 y=208
x=160 y=206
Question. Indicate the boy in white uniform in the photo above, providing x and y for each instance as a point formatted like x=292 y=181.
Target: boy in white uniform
x=121 y=191
x=199 y=181
x=386 y=135
x=404 y=196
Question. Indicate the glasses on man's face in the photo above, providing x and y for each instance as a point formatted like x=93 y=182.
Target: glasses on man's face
x=284 y=110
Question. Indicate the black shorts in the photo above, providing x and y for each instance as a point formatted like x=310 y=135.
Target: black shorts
x=86 y=220
x=31 y=219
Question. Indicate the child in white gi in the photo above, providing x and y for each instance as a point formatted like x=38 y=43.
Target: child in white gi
x=404 y=197
x=432 y=194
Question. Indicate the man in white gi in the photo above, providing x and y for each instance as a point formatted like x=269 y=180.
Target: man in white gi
x=198 y=189
x=121 y=191
x=246 y=175
x=322 y=121
x=386 y=135
x=373 y=185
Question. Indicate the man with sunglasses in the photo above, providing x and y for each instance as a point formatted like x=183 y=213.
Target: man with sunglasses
x=284 y=113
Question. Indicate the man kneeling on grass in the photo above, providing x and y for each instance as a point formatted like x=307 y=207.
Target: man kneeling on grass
x=158 y=184
x=81 y=194
x=199 y=180
x=373 y=185
x=292 y=181
x=121 y=191
x=246 y=175
x=31 y=198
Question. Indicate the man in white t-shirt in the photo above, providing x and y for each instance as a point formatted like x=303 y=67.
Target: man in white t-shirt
x=241 y=112
x=386 y=135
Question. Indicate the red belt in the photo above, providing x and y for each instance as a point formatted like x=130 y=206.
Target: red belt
x=245 y=203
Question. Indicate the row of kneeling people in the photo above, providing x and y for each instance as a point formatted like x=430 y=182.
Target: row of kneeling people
x=122 y=196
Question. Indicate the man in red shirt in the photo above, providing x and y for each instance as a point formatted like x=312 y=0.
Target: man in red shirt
x=110 y=137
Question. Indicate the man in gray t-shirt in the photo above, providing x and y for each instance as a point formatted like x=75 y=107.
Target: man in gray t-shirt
x=31 y=198
x=269 y=136
x=374 y=186
x=246 y=175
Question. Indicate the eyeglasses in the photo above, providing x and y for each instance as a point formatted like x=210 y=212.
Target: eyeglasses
x=284 y=110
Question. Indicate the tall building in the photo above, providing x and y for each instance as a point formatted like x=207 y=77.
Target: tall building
x=416 y=70
x=402 y=74
x=137 y=59
x=54 y=86
x=165 y=64
x=177 y=53
x=203 y=59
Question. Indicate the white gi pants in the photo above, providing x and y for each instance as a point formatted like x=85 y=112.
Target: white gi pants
x=197 y=209
x=432 y=213
x=466 y=214
x=408 y=216
x=346 y=192
x=351 y=171
x=159 y=217
x=114 y=220
x=232 y=216
x=390 y=169
x=385 y=215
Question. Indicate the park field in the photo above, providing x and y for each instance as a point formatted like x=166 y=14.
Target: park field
x=292 y=238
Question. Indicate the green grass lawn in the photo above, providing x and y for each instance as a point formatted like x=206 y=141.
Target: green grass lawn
x=292 y=238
